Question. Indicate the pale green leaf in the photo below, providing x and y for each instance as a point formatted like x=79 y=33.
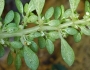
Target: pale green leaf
x=49 y=13
x=30 y=58
x=54 y=23
x=85 y=30
x=19 y=6
x=74 y=4
x=16 y=44
x=1 y=6
x=67 y=52
x=49 y=46
x=77 y=37
x=39 y=4
x=9 y=17
x=71 y=31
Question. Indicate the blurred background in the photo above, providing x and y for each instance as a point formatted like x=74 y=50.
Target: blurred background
x=55 y=61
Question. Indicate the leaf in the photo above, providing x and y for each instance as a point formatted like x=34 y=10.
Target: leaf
x=9 y=17
x=49 y=13
x=39 y=4
x=30 y=58
x=2 y=51
x=19 y=6
x=32 y=18
x=49 y=46
x=54 y=23
x=71 y=31
x=57 y=12
x=9 y=59
x=62 y=10
x=16 y=44
x=11 y=27
x=74 y=4
x=17 y=62
x=67 y=13
x=77 y=37
x=2 y=3
x=41 y=42
x=34 y=46
x=87 y=6
x=31 y=6
x=17 y=18
x=67 y=52
x=85 y=30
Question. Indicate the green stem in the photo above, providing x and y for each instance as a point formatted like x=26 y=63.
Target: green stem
x=44 y=28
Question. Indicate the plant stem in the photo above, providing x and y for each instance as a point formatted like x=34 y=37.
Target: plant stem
x=44 y=28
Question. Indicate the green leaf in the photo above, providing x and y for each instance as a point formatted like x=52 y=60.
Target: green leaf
x=77 y=37
x=57 y=12
x=41 y=42
x=87 y=6
x=67 y=52
x=54 y=23
x=32 y=18
x=1 y=6
x=34 y=46
x=26 y=6
x=17 y=62
x=67 y=13
x=30 y=58
x=39 y=4
x=9 y=17
x=49 y=46
x=16 y=44
x=85 y=30
x=2 y=51
x=17 y=18
x=74 y=4
x=62 y=10
x=11 y=27
x=49 y=13
x=9 y=59
x=71 y=31
x=31 y=6
x=19 y=6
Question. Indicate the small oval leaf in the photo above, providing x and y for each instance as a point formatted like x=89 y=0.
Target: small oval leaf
x=34 y=46
x=77 y=37
x=2 y=51
x=57 y=12
x=39 y=4
x=67 y=52
x=9 y=59
x=49 y=46
x=17 y=62
x=49 y=13
x=16 y=44
x=71 y=31
x=85 y=30
x=19 y=6
x=1 y=6
x=30 y=58
x=17 y=18
x=41 y=42
x=9 y=17
x=54 y=23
